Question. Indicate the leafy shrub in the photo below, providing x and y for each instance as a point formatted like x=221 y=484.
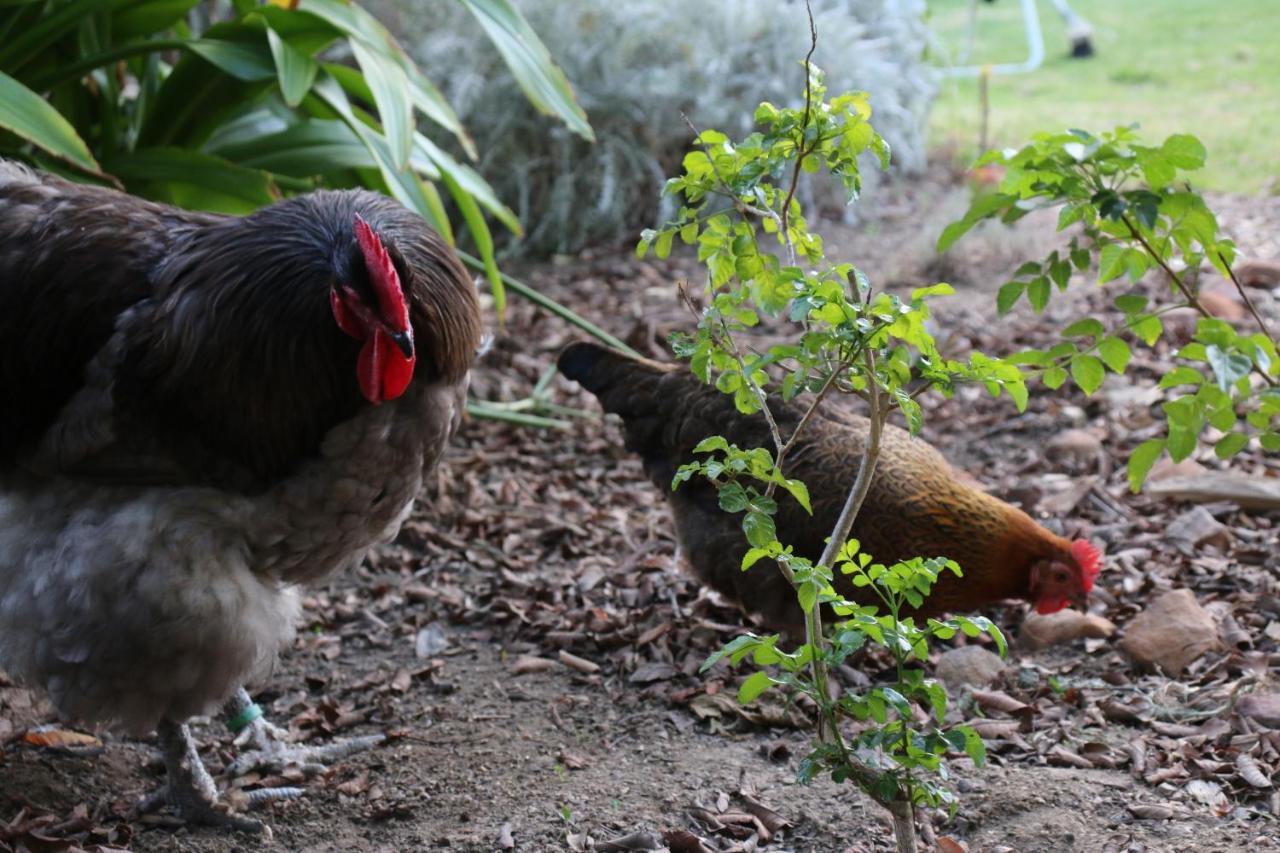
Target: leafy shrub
x=1133 y=210
x=227 y=107
x=738 y=205
x=638 y=68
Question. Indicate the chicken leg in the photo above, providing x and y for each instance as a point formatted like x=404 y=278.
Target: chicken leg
x=189 y=789
x=272 y=751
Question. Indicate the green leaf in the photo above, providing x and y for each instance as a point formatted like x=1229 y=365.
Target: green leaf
x=1148 y=328
x=194 y=179
x=390 y=88
x=467 y=178
x=1111 y=262
x=1228 y=368
x=404 y=184
x=940 y=289
x=733 y=498
x=1131 y=303
x=1054 y=377
x=1140 y=461
x=710 y=444
x=29 y=116
x=759 y=528
x=1088 y=372
x=479 y=230
x=1157 y=169
x=1088 y=327
x=1184 y=151
x=1115 y=354
x=662 y=248
x=1008 y=296
x=1230 y=444
x=151 y=16
x=1038 y=293
x=979 y=210
x=973 y=746
x=544 y=84
x=294 y=69
x=244 y=61
x=753 y=686
x=302 y=150
x=807 y=595
x=800 y=492
x=1181 y=376
x=19 y=48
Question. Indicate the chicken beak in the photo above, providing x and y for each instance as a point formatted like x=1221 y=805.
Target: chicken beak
x=1080 y=601
x=402 y=340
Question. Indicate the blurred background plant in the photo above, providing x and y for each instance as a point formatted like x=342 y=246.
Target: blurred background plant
x=638 y=69
x=1173 y=67
x=228 y=106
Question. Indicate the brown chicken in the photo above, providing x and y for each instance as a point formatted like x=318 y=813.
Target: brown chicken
x=916 y=507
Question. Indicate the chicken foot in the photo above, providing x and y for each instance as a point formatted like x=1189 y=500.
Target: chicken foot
x=273 y=752
x=189 y=789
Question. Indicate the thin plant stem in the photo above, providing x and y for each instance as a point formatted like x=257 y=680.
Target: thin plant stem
x=1182 y=286
x=801 y=153
x=1262 y=324
x=551 y=305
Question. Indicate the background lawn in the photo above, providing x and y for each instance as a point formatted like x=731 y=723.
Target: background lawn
x=1199 y=66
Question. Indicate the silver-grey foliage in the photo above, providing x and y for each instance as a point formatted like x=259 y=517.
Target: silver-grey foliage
x=638 y=67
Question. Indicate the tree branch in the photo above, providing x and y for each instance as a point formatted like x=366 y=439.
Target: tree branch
x=801 y=152
x=1186 y=291
x=1266 y=330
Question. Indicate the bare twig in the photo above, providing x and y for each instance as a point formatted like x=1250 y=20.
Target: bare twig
x=866 y=468
x=1244 y=294
x=554 y=307
x=751 y=383
x=1190 y=296
x=804 y=421
x=801 y=151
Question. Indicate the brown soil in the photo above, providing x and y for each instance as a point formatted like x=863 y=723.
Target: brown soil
x=534 y=544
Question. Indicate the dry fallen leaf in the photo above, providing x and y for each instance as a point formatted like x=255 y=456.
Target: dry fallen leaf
x=1040 y=631
x=1151 y=811
x=1250 y=771
x=528 y=663
x=54 y=738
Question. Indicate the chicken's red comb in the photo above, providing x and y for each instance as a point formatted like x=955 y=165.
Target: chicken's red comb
x=1089 y=559
x=386 y=281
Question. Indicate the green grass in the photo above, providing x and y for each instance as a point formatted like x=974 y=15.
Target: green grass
x=1207 y=67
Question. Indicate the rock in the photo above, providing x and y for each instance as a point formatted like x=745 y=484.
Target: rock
x=1076 y=447
x=1165 y=468
x=971 y=666
x=1073 y=415
x=1222 y=306
x=1041 y=630
x=1076 y=441
x=1248 y=492
x=1198 y=526
x=1171 y=633
x=647 y=673
x=1262 y=708
x=431 y=641
x=1258 y=273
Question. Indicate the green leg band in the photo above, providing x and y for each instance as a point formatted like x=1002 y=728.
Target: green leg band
x=244 y=718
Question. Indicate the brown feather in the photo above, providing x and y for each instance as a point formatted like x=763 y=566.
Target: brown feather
x=917 y=505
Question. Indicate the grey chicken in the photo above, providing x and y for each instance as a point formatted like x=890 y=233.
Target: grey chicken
x=203 y=414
